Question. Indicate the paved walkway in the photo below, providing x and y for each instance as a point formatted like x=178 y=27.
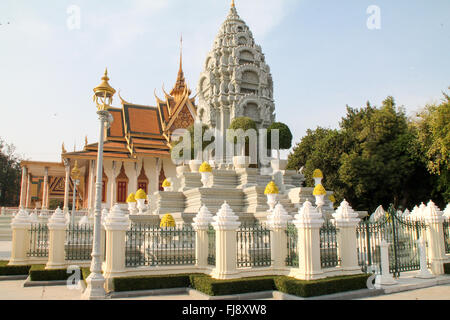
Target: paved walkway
x=5 y=250
x=14 y=290
x=433 y=293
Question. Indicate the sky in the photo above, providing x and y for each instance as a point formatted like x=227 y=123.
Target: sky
x=323 y=55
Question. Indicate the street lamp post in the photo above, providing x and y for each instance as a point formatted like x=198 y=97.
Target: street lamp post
x=76 y=181
x=103 y=95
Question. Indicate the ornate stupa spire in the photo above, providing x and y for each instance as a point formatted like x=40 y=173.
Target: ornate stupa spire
x=233 y=12
x=236 y=80
x=180 y=85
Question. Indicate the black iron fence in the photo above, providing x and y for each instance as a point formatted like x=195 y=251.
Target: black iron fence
x=329 y=257
x=150 y=245
x=400 y=232
x=38 y=241
x=211 y=246
x=292 y=250
x=78 y=244
x=447 y=235
x=253 y=246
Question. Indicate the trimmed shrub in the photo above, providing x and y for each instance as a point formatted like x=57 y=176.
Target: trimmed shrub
x=313 y=288
x=38 y=273
x=6 y=270
x=447 y=268
x=151 y=282
x=85 y=272
x=215 y=287
x=285 y=135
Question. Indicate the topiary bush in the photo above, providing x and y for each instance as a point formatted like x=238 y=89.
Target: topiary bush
x=285 y=135
x=191 y=131
x=215 y=287
x=313 y=288
x=447 y=268
x=39 y=273
x=151 y=282
x=244 y=123
x=6 y=270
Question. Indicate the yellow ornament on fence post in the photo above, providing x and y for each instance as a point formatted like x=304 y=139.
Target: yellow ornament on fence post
x=166 y=185
x=271 y=192
x=140 y=197
x=131 y=200
x=206 y=172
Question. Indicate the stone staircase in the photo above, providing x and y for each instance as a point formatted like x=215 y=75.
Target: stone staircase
x=5 y=228
x=242 y=188
x=287 y=204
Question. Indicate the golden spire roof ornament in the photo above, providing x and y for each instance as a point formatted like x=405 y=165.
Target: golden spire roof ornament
x=63 y=149
x=85 y=141
x=103 y=93
x=232 y=4
x=75 y=171
x=180 y=85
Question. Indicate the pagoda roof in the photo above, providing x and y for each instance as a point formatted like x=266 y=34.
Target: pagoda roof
x=142 y=129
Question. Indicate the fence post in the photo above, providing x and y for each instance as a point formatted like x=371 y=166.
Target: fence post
x=346 y=221
x=201 y=225
x=385 y=278
x=57 y=239
x=116 y=224
x=277 y=222
x=435 y=233
x=424 y=273
x=308 y=222
x=225 y=223
x=20 y=226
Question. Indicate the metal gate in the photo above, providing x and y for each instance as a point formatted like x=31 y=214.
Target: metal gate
x=400 y=232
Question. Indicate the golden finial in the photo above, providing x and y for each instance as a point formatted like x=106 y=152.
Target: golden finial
x=232 y=4
x=75 y=171
x=63 y=149
x=85 y=141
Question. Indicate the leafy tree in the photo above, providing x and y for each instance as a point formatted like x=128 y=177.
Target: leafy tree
x=10 y=175
x=244 y=123
x=191 y=131
x=369 y=161
x=284 y=135
x=432 y=128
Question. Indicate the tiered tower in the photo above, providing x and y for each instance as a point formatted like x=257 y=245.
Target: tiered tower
x=236 y=80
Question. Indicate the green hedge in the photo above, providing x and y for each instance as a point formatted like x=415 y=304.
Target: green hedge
x=151 y=282
x=215 y=287
x=6 y=270
x=447 y=268
x=313 y=288
x=38 y=273
x=85 y=272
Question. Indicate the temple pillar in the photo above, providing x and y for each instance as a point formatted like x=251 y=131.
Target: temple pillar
x=112 y=175
x=45 y=191
x=156 y=179
x=27 y=203
x=66 y=186
x=131 y=170
x=23 y=187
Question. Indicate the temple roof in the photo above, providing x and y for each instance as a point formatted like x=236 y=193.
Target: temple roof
x=144 y=130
